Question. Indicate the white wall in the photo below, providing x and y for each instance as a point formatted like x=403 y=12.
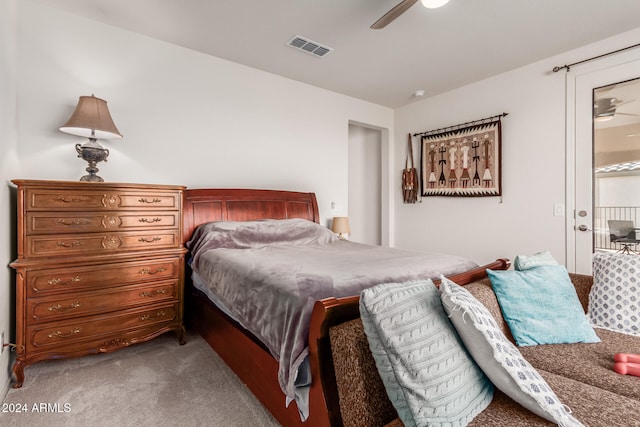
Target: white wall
x=522 y=221
x=8 y=166
x=187 y=118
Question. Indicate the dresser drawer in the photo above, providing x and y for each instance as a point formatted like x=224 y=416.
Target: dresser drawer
x=86 y=303
x=105 y=343
x=86 y=222
x=77 y=279
x=66 y=333
x=83 y=200
x=101 y=243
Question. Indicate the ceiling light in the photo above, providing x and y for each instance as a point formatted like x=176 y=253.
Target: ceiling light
x=432 y=4
x=604 y=118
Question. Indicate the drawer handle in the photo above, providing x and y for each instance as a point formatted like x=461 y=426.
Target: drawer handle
x=72 y=200
x=116 y=342
x=146 y=220
x=58 y=307
x=153 y=293
x=155 y=315
x=57 y=281
x=58 y=334
x=76 y=221
x=147 y=271
x=145 y=240
x=145 y=200
x=68 y=245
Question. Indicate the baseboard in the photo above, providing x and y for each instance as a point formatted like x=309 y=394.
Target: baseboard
x=5 y=389
x=5 y=374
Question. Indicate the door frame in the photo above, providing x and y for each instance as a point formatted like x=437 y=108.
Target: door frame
x=579 y=85
x=387 y=185
x=365 y=184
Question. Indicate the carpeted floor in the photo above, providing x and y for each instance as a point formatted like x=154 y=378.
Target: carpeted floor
x=150 y=384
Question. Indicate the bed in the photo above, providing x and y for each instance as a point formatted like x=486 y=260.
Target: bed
x=235 y=339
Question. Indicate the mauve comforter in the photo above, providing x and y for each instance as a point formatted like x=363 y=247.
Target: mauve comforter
x=269 y=274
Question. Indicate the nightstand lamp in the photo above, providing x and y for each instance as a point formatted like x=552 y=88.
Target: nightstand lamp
x=91 y=119
x=340 y=226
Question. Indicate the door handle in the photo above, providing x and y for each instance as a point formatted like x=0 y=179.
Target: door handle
x=583 y=227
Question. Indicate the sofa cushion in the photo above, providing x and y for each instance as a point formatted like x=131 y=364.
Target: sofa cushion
x=592 y=405
x=363 y=399
x=614 y=300
x=483 y=292
x=364 y=403
x=541 y=306
x=583 y=284
x=589 y=363
x=428 y=375
x=498 y=357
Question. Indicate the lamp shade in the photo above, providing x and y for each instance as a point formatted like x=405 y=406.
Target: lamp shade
x=91 y=119
x=340 y=225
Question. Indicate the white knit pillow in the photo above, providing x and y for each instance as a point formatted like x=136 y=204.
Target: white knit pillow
x=614 y=299
x=500 y=360
x=429 y=377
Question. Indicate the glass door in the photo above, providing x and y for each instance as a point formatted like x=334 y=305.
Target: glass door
x=616 y=166
x=602 y=135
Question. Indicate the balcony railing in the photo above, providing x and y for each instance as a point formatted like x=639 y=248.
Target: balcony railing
x=601 y=215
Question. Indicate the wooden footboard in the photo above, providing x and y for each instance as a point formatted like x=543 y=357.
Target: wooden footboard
x=323 y=400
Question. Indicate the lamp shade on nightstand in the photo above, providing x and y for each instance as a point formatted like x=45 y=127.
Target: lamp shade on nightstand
x=340 y=226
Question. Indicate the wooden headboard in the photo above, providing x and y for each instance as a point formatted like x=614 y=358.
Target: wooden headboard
x=226 y=204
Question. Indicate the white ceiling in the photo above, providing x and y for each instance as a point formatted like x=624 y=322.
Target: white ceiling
x=434 y=50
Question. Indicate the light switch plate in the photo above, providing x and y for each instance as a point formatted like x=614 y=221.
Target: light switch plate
x=558 y=209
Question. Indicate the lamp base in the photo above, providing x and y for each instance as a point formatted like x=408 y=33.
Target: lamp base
x=92 y=153
x=92 y=177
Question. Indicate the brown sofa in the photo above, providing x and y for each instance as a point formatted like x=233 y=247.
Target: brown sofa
x=580 y=374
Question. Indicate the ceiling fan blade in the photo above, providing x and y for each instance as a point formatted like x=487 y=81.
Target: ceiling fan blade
x=620 y=102
x=390 y=16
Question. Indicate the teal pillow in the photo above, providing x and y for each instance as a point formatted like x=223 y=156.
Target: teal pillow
x=540 y=306
x=525 y=262
x=428 y=375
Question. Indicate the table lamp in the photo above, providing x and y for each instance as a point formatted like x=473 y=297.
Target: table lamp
x=340 y=226
x=91 y=119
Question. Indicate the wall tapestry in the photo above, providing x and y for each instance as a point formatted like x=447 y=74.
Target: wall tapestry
x=463 y=160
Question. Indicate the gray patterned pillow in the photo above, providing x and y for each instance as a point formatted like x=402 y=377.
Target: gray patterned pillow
x=500 y=360
x=429 y=377
x=614 y=299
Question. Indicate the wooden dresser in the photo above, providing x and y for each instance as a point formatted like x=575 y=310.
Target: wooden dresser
x=100 y=266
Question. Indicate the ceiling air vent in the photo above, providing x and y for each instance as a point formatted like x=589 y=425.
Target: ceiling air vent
x=309 y=46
